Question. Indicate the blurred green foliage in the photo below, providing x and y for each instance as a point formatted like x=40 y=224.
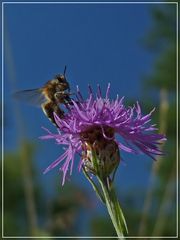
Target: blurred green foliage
x=102 y=226
x=161 y=40
x=16 y=220
x=64 y=211
x=56 y=216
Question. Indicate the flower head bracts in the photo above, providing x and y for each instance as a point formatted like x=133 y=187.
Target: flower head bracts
x=96 y=111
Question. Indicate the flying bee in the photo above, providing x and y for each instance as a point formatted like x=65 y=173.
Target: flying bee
x=49 y=97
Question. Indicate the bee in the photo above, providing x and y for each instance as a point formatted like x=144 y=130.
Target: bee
x=49 y=97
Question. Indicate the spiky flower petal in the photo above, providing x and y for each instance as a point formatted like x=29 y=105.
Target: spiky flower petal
x=111 y=118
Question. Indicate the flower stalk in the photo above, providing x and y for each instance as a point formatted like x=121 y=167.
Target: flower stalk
x=114 y=209
x=108 y=196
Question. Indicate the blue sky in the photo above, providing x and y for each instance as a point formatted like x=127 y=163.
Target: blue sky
x=99 y=43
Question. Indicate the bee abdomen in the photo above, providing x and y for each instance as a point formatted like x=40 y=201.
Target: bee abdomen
x=49 y=108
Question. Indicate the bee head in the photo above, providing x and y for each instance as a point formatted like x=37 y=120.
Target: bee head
x=61 y=77
x=62 y=80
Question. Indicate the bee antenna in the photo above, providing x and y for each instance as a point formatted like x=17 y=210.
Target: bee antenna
x=65 y=70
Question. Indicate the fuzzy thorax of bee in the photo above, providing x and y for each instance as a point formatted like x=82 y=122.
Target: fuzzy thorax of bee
x=100 y=151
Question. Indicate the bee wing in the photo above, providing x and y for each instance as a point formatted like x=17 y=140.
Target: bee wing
x=33 y=97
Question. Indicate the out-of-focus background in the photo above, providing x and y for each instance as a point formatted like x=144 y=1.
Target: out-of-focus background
x=132 y=46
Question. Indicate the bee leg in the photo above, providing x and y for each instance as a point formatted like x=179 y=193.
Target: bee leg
x=62 y=97
x=49 y=108
x=58 y=111
x=67 y=100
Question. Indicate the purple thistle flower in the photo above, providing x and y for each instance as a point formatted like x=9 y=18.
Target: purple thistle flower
x=107 y=118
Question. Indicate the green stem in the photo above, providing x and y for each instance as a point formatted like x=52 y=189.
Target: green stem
x=96 y=189
x=114 y=209
x=108 y=195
